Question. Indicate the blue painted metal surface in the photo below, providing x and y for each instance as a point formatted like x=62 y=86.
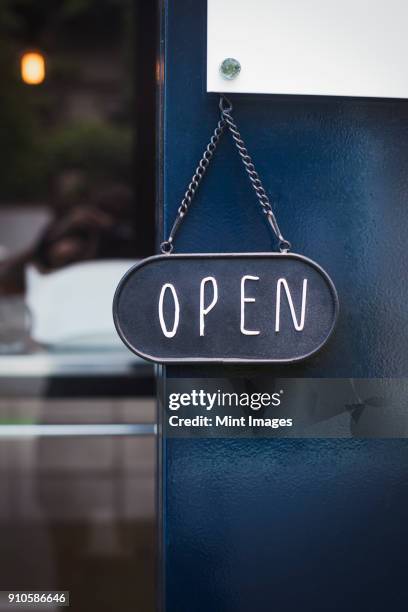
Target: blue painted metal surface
x=292 y=524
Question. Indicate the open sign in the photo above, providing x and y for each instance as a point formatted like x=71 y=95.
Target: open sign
x=226 y=308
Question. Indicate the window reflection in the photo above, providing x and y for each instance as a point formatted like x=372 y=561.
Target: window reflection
x=66 y=192
x=77 y=414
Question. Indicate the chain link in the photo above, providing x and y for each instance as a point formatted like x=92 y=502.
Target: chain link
x=167 y=246
x=284 y=245
x=226 y=120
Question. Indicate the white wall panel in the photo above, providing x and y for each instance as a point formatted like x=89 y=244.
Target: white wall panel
x=316 y=47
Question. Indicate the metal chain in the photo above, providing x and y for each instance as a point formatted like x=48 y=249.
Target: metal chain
x=284 y=245
x=167 y=246
x=226 y=120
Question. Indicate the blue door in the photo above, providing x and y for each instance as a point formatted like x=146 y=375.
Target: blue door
x=282 y=524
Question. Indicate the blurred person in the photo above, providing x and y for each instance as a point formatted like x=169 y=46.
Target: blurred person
x=97 y=230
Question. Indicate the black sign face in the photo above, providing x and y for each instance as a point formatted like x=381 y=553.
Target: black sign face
x=225 y=308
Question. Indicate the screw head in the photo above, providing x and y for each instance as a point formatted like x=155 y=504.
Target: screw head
x=230 y=68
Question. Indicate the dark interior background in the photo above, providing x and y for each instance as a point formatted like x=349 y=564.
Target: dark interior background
x=77 y=187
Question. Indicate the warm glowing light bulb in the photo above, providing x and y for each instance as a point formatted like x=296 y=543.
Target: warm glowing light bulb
x=33 y=68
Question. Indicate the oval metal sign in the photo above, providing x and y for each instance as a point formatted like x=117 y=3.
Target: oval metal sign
x=226 y=308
